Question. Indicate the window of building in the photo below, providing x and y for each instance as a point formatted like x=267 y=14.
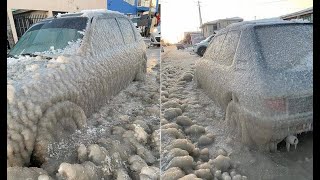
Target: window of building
x=228 y=48
x=106 y=34
x=130 y=2
x=127 y=31
x=214 y=27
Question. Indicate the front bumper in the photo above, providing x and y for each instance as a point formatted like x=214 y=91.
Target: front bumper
x=155 y=40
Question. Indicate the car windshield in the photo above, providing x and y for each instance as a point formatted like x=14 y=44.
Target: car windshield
x=286 y=46
x=50 y=34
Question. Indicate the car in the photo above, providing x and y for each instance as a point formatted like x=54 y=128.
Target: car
x=61 y=71
x=200 y=48
x=179 y=46
x=155 y=36
x=135 y=23
x=261 y=75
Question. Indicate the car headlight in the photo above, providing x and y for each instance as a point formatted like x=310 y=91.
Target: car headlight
x=155 y=30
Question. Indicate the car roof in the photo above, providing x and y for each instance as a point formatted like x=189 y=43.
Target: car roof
x=252 y=24
x=91 y=13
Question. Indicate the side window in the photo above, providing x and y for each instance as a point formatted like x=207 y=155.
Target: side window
x=127 y=30
x=106 y=34
x=229 y=48
x=214 y=47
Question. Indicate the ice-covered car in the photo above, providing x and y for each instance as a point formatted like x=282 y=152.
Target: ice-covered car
x=200 y=48
x=61 y=71
x=261 y=73
x=179 y=46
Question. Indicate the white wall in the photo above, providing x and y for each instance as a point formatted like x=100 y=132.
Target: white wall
x=57 y=5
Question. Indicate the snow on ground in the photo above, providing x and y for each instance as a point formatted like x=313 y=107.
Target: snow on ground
x=122 y=140
x=195 y=141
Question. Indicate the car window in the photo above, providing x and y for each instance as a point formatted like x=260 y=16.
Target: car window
x=286 y=46
x=127 y=31
x=228 y=48
x=214 y=47
x=106 y=34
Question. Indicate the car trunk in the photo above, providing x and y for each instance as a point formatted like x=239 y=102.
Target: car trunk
x=287 y=69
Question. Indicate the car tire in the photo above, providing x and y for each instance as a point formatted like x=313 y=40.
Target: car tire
x=201 y=50
x=59 y=121
x=235 y=122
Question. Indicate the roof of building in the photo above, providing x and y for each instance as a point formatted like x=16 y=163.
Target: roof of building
x=298 y=13
x=226 y=19
x=262 y=22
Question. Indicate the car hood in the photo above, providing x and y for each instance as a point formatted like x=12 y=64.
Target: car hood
x=29 y=69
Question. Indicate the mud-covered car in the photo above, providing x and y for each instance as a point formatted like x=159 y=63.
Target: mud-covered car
x=261 y=73
x=61 y=71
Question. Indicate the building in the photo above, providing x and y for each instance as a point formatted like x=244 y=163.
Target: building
x=133 y=7
x=306 y=14
x=208 y=28
x=22 y=14
x=192 y=37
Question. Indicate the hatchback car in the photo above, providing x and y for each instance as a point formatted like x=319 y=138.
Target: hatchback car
x=61 y=71
x=261 y=73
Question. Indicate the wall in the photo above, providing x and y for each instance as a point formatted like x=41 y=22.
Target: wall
x=9 y=33
x=49 y=6
x=57 y=5
x=208 y=30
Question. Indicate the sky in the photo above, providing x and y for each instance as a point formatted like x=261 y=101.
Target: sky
x=178 y=16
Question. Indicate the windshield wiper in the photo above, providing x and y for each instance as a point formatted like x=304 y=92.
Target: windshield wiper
x=11 y=56
x=29 y=54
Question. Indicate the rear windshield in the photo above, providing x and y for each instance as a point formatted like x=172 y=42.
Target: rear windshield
x=286 y=46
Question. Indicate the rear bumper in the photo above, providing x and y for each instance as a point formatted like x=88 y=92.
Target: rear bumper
x=276 y=129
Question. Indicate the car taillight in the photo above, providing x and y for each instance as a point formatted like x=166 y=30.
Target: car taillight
x=276 y=104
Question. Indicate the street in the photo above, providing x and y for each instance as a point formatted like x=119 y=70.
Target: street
x=189 y=114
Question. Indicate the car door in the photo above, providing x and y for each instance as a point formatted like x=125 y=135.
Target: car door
x=108 y=51
x=223 y=67
x=133 y=50
x=208 y=73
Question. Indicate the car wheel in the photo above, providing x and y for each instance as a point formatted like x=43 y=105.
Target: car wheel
x=201 y=51
x=59 y=121
x=235 y=122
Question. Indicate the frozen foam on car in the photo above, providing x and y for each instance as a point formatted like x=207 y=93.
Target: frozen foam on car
x=93 y=12
x=38 y=83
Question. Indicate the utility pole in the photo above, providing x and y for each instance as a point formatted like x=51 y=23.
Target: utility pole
x=200 y=13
